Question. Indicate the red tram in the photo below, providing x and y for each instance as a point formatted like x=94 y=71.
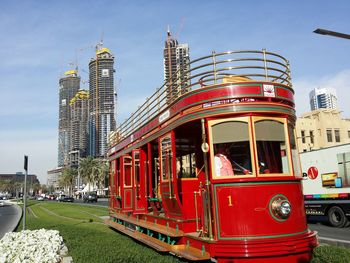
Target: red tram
x=207 y=168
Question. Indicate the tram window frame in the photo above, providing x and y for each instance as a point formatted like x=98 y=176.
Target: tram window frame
x=292 y=133
x=129 y=175
x=113 y=175
x=185 y=159
x=117 y=176
x=136 y=170
x=166 y=173
x=251 y=171
x=266 y=171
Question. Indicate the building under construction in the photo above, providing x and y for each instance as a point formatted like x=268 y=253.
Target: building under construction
x=69 y=85
x=176 y=67
x=101 y=86
x=79 y=109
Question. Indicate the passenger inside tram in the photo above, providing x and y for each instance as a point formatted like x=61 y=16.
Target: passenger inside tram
x=232 y=158
x=223 y=166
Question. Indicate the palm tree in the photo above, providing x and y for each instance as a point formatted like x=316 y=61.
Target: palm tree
x=36 y=188
x=102 y=173
x=67 y=178
x=89 y=169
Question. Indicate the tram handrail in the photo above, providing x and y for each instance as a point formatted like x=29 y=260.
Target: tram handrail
x=256 y=65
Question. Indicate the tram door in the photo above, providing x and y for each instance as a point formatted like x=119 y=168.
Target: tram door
x=113 y=184
x=139 y=185
x=169 y=191
x=127 y=187
x=117 y=188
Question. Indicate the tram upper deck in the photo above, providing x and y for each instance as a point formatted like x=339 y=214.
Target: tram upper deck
x=233 y=77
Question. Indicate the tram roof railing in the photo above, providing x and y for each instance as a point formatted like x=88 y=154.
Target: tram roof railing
x=230 y=66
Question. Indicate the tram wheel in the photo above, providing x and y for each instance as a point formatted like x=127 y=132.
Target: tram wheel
x=337 y=218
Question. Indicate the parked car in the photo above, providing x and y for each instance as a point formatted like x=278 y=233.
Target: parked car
x=40 y=198
x=65 y=198
x=52 y=197
x=90 y=197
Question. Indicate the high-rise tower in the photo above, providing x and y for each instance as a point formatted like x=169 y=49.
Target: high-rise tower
x=79 y=108
x=176 y=67
x=101 y=85
x=69 y=84
x=323 y=98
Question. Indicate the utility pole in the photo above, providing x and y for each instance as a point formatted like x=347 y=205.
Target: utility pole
x=25 y=191
x=78 y=182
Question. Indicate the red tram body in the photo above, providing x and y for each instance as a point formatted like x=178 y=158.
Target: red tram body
x=169 y=186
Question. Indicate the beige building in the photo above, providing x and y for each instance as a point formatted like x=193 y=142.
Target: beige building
x=322 y=128
x=53 y=177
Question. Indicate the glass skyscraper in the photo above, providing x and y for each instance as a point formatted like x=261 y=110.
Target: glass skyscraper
x=69 y=85
x=323 y=98
x=176 y=67
x=101 y=87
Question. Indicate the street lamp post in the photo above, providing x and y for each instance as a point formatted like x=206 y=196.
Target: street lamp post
x=25 y=191
x=331 y=33
x=78 y=183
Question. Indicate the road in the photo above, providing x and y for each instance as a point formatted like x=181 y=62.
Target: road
x=100 y=202
x=9 y=216
x=330 y=235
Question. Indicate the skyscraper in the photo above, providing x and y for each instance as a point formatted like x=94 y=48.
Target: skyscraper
x=176 y=67
x=79 y=106
x=323 y=98
x=101 y=86
x=69 y=84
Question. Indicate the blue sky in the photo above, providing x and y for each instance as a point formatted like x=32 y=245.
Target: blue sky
x=40 y=38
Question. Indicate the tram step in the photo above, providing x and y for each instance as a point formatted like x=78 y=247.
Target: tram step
x=152 y=242
x=183 y=251
x=190 y=253
x=168 y=231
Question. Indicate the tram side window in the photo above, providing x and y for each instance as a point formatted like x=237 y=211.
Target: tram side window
x=231 y=148
x=137 y=167
x=185 y=159
x=112 y=174
x=127 y=171
x=155 y=170
x=117 y=179
x=166 y=166
x=271 y=147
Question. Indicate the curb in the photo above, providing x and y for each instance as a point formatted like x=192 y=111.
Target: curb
x=334 y=242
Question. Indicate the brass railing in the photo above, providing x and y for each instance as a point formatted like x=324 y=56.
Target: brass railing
x=231 y=66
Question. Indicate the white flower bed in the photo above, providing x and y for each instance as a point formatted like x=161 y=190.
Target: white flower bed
x=31 y=246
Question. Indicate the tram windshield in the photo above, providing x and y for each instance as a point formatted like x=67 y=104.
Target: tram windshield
x=233 y=144
x=231 y=148
x=271 y=147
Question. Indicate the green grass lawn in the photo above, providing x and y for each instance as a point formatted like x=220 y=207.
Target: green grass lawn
x=331 y=254
x=85 y=235
x=89 y=240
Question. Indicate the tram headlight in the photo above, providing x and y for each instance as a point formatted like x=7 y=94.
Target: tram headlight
x=285 y=208
x=281 y=208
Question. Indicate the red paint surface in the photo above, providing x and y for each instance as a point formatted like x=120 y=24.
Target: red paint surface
x=249 y=214
x=206 y=95
x=285 y=93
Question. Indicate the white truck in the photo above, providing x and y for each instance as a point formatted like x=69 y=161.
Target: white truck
x=326 y=184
